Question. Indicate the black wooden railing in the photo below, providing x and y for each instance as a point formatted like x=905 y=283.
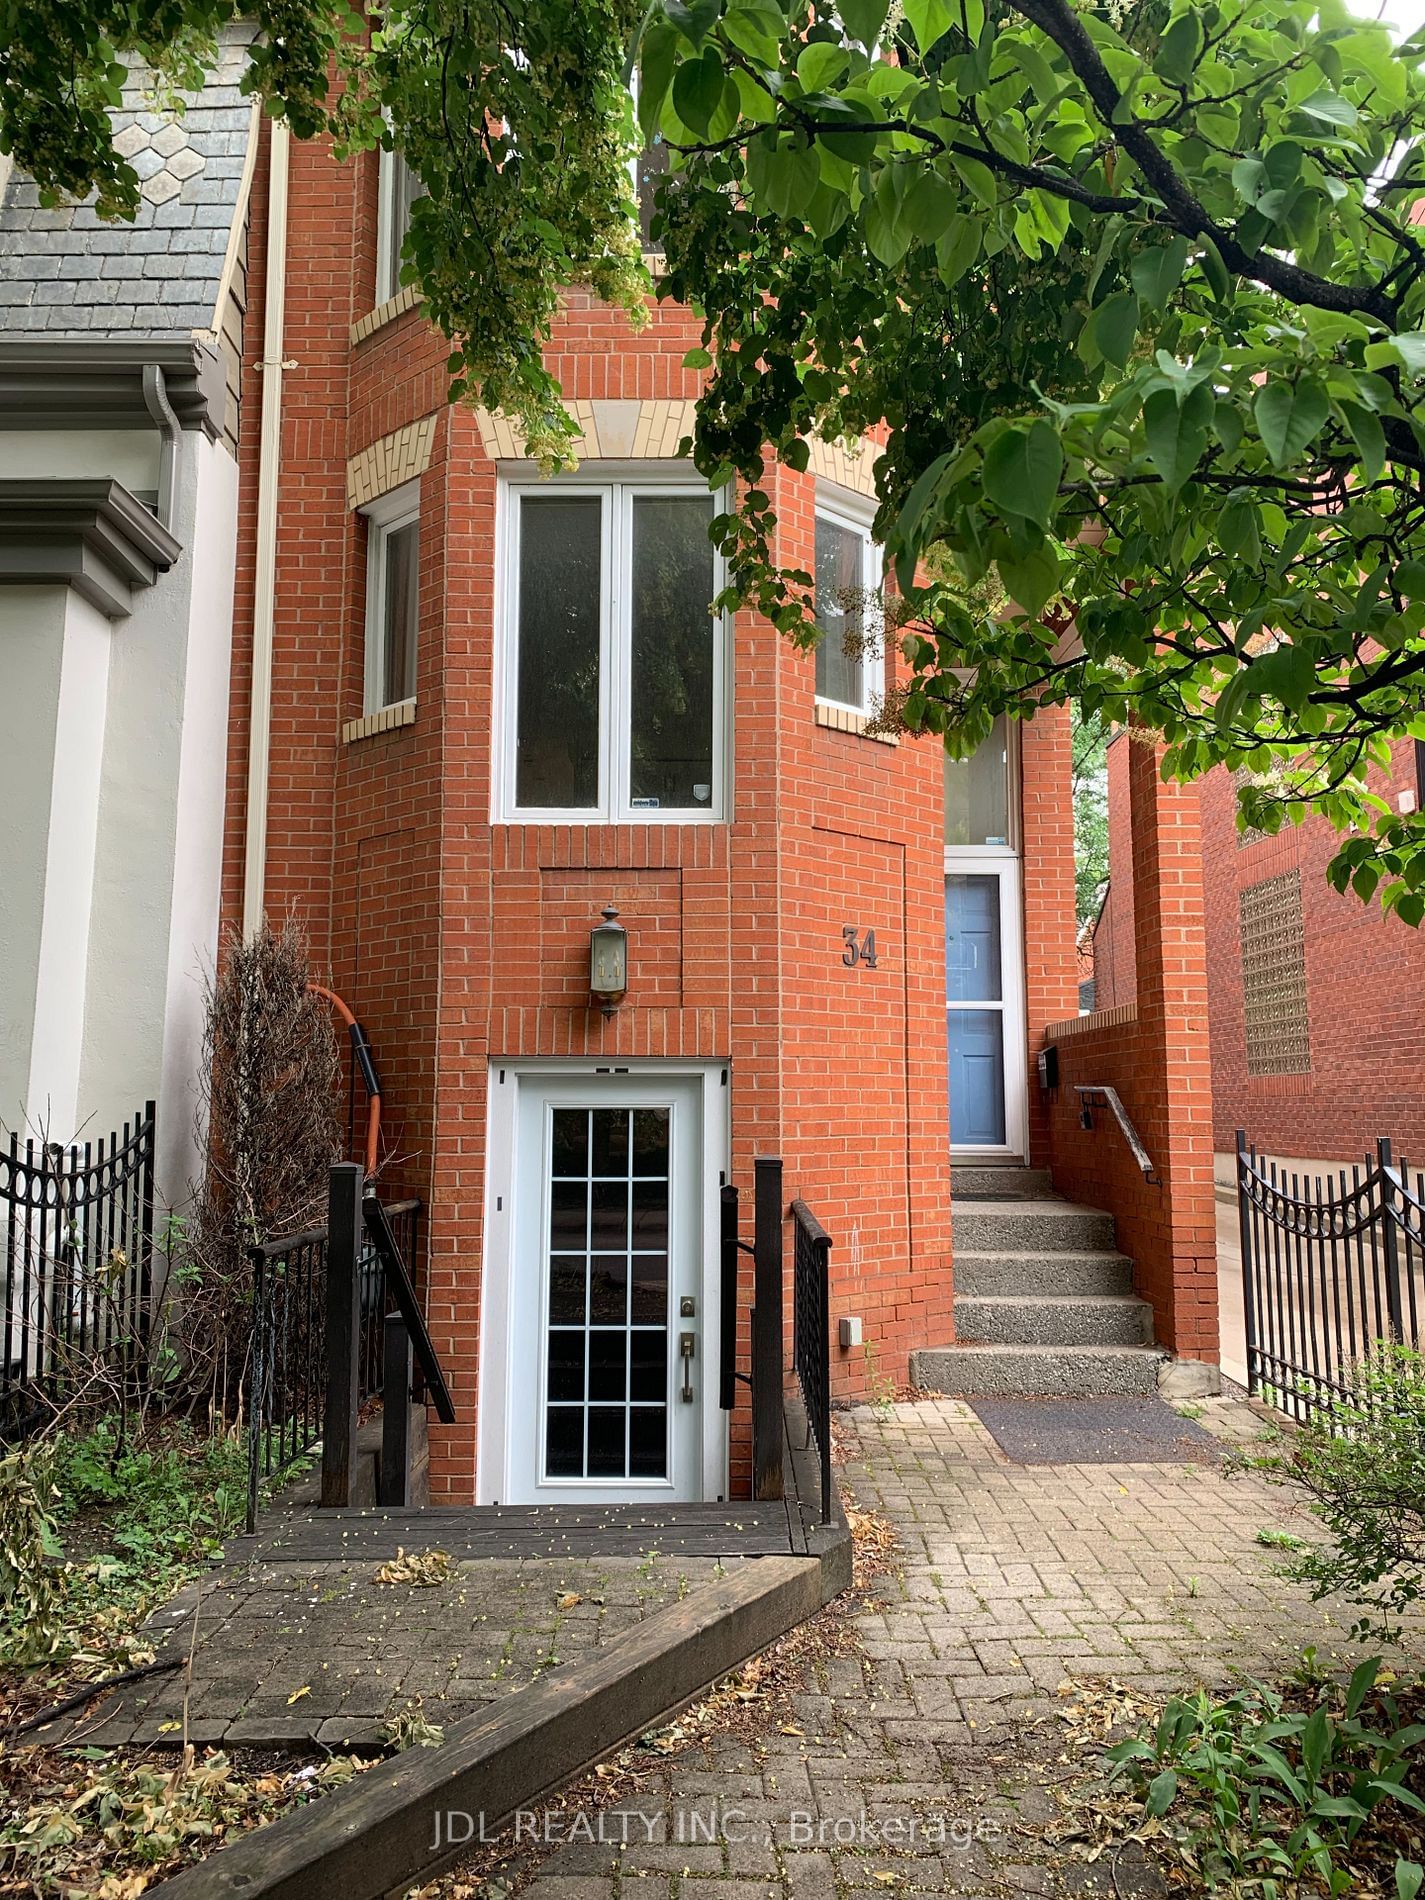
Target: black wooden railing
x=811 y=1334
x=1332 y=1266
x=76 y=1238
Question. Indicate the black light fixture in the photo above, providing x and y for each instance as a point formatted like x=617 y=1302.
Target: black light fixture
x=608 y=961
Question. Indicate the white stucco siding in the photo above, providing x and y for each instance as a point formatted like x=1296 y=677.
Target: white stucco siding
x=31 y=663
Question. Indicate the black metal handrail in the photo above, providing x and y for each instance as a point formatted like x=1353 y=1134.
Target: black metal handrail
x=1094 y=1095
x=76 y=1238
x=811 y=1334
x=1333 y=1266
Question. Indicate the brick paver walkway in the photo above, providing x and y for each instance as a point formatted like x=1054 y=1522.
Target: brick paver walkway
x=1012 y=1580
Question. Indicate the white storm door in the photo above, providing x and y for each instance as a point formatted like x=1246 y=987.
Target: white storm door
x=984 y=1004
x=606 y=1286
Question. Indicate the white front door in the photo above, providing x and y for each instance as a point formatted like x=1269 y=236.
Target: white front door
x=608 y=1393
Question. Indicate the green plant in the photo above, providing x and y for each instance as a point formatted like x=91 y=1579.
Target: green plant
x=882 y=1386
x=1261 y=1791
x=1361 y=1466
x=1279 y=1540
x=104 y=1528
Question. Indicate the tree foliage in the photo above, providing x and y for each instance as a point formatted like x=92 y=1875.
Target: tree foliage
x=1135 y=288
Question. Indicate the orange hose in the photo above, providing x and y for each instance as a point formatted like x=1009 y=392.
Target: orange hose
x=361 y=1051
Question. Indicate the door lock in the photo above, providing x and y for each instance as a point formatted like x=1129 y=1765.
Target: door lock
x=687 y=1307
x=685 y=1348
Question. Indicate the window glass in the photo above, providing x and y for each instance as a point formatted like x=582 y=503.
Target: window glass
x=840 y=613
x=403 y=188
x=671 y=678
x=399 y=613
x=560 y=591
x=977 y=792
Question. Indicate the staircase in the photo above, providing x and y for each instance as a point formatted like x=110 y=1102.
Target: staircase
x=1044 y=1302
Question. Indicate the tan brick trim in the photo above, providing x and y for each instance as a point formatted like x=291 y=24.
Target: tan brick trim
x=396 y=458
x=389 y=719
x=842 y=719
x=610 y=428
x=1096 y=1019
x=835 y=462
x=405 y=299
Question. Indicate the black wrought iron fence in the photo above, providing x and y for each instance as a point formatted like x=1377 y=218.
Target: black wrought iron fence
x=76 y=1239
x=405 y=1222
x=811 y=1334
x=287 y=1381
x=1333 y=1265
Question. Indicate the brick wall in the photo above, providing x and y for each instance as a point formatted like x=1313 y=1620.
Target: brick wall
x=459 y=941
x=1115 y=981
x=1365 y=974
x=1154 y=1053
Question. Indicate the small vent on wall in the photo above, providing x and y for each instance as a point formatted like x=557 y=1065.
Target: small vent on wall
x=1274 y=977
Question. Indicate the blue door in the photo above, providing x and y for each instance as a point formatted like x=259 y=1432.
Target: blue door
x=974 y=1009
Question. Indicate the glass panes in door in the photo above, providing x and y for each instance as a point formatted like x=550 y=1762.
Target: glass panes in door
x=974 y=1009
x=607 y=1305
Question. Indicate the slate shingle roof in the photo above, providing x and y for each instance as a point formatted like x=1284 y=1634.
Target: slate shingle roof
x=66 y=272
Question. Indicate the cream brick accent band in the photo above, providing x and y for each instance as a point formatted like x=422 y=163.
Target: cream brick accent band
x=843 y=719
x=834 y=462
x=396 y=458
x=384 y=313
x=611 y=429
x=403 y=713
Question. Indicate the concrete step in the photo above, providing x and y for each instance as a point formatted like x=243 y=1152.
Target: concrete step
x=1050 y=1321
x=993 y=1182
x=1016 y=1275
x=1075 y=1372
x=1030 y=1226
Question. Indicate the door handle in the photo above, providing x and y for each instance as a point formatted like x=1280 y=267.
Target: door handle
x=685 y=1348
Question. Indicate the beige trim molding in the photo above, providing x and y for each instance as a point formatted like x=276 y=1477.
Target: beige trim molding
x=611 y=429
x=834 y=462
x=843 y=719
x=1096 y=1019
x=389 y=719
x=396 y=458
x=405 y=299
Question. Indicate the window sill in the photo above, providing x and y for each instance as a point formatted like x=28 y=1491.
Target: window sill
x=844 y=719
x=389 y=719
x=384 y=313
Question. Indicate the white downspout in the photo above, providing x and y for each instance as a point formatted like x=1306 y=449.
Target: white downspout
x=269 y=467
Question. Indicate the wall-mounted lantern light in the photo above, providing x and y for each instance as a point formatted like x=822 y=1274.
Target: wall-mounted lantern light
x=608 y=961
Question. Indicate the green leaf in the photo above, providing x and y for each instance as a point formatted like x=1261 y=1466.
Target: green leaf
x=1161 y=1790
x=1407 y=349
x=655 y=75
x=698 y=358
x=929 y=206
x=756 y=30
x=957 y=248
x=929 y=20
x=792 y=176
x=697 y=90
x=1114 y=326
x=1021 y=471
x=1408 y=1873
x=1181 y=44
x=918 y=500
x=821 y=64
x=1330 y=108
x=1368 y=436
x=1289 y=416
x=1177 y=432
x=1157 y=273
x=1031 y=579
x=980 y=179
x=864 y=19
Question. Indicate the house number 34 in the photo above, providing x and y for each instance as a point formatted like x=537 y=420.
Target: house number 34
x=859 y=948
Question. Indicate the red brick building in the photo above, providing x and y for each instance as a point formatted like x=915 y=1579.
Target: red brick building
x=471 y=709
x=1317 y=1030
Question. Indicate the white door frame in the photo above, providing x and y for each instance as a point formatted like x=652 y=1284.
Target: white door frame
x=499 y=1388
x=1005 y=864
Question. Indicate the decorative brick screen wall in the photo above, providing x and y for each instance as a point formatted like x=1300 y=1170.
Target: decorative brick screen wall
x=1274 y=976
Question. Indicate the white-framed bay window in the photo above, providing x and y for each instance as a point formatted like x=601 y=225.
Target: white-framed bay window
x=850 y=656
x=612 y=699
x=393 y=561
x=397 y=189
